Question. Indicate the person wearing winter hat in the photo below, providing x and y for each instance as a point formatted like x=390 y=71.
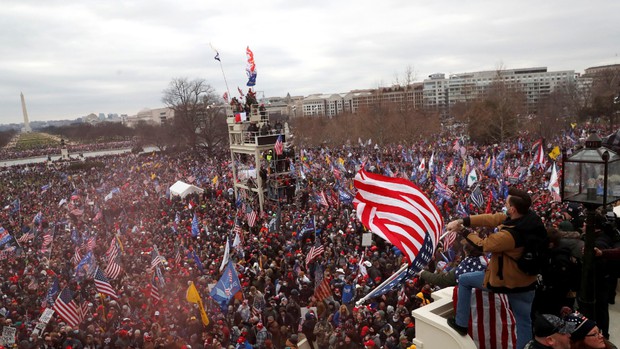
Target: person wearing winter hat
x=550 y=332
x=586 y=334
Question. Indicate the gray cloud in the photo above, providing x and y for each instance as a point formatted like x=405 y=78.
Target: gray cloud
x=71 y=58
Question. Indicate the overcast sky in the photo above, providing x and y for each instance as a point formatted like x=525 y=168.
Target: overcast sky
x=71 y=58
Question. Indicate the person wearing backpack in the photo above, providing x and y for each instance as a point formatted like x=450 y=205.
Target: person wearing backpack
x=516 y=228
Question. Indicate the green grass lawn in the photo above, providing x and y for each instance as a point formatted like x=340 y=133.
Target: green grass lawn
x=35 y=140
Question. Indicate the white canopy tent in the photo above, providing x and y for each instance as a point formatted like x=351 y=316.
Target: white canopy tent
x=183 y=189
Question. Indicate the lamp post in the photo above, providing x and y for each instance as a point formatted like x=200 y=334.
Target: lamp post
x=590 y=177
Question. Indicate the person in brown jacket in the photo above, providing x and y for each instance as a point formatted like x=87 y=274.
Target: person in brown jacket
x=502 y=274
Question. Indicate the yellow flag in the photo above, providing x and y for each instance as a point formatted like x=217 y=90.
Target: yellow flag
x=555 y=152
x=194 y=297
x=214 y=181
x=573 y=124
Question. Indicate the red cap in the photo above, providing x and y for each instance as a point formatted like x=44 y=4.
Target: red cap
x=369 y=343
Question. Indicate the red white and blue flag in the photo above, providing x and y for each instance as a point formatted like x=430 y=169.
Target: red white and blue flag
x=103 y=284
x=67 y=309
x=398 y=211
x=279 y=146
x=492 y=322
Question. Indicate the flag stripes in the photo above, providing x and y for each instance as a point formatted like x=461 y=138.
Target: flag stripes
x=397 y=211
x=492 y=322
x=323 y=290
x=103 y=284
x=314 y=252
x=67 y=309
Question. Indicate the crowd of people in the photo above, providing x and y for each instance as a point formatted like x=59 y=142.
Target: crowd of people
x=10 y=153
x=55 y=213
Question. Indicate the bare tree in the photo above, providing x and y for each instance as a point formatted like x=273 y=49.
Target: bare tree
x=189 y=100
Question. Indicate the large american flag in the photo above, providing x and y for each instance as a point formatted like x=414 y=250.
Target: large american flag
x=67 y=309
x=103 y=284
x=398 y=211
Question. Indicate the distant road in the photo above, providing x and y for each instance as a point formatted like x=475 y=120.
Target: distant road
x=55 y=157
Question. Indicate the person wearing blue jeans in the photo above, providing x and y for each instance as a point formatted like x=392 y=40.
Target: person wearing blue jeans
x=502 y=274
x=520 y=304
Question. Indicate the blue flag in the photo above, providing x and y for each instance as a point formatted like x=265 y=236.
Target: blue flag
x=86 y=265
x=393 y=282
x=345 y=197
x=195 y=228
x=251 y=79
x=52 y=293
x=348 y=293
x=197 y=260
x=226 y=287
x=308 y=227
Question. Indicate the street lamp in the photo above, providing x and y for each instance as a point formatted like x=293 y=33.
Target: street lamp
x=591 y=177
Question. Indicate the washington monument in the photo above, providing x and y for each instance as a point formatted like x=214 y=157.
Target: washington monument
x=26 y=128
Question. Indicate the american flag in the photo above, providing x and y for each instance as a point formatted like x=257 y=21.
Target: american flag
x=112 y=251
x=67 y=309
x=155 y=291
x=442 y=188
x=113 y=269
x=449 y=239
x=24 y=238
x=156 y=259
x=322 y=291
x=77 y=257
x=476 y=197
x=177 y=257
x=322 y=199
x=314 y=252
x=539 y=154
x=103 y=284
x=89 y=244
x=237 y=229
x=279 y=146
x=47 y=239
x=492 y=322
x=251 y=217
x=399 y=212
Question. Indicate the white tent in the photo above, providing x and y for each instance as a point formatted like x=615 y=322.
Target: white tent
x=182 y=189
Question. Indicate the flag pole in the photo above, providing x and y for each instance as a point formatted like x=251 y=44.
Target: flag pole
x=217 y=54
x=387 y=281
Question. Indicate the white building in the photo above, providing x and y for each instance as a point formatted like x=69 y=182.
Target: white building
x=536 y=83
x=157 y=116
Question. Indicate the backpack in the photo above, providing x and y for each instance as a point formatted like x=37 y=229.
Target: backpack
x=535 y=245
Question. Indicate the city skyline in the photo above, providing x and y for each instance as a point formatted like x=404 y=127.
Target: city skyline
x=72 y=58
